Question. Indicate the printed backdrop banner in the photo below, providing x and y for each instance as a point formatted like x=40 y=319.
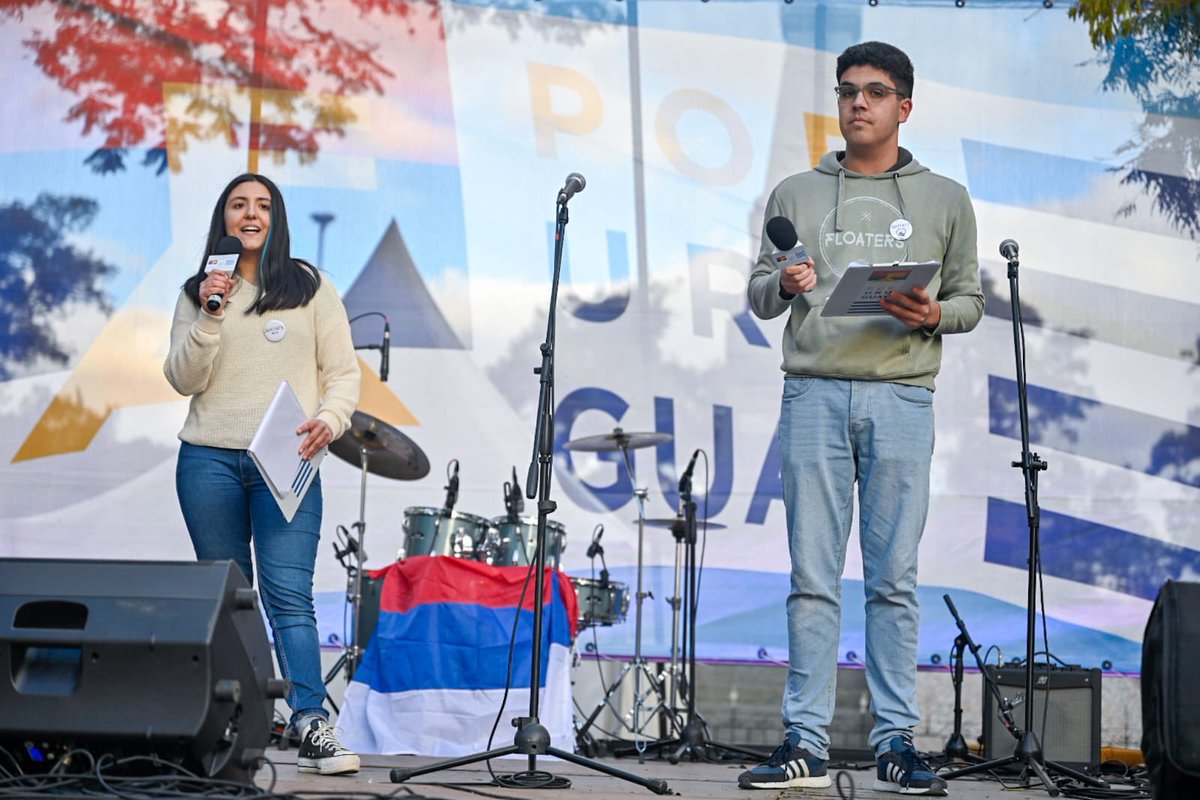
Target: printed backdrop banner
x=420 y=148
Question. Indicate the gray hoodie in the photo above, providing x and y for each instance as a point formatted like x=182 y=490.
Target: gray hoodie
x=843 y=216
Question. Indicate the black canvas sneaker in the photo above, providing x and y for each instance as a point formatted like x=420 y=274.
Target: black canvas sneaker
x=321 y=752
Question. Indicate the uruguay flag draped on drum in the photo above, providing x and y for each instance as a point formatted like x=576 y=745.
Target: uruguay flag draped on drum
x=432 y=677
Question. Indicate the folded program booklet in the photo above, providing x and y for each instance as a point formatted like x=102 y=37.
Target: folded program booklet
x=275 y=451
x=862 y=286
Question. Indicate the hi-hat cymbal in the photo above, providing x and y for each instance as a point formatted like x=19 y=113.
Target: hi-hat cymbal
x=677 y=523
x=617 y=440
x=390 y=453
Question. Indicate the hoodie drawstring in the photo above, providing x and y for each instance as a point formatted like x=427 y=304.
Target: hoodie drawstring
x=837 y=209
x=899 y=194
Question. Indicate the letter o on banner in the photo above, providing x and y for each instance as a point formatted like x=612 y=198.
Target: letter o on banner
x=666 y=123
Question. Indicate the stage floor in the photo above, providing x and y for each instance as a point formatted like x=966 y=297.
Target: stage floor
x=686 y=779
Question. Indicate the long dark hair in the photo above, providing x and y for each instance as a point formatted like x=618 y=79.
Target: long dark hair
x=283 y=281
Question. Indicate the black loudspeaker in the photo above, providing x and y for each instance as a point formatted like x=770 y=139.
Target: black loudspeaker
x=1170 y=702
x=1066 y=714
x=134 y=658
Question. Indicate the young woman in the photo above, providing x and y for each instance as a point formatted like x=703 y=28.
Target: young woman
x=276 y=320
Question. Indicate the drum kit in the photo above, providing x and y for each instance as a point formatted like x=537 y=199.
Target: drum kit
x=510 y=540
x=504 y=541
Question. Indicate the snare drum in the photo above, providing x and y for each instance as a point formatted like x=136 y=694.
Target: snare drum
x=516 y=541
x=600 y=603
x=429 y=532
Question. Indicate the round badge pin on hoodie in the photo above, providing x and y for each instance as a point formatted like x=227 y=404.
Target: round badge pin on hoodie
x=274 y=330
x=901 y=229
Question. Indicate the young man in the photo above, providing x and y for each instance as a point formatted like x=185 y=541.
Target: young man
x=858 y=408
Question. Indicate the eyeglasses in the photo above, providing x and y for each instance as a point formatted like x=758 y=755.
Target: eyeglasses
x=873 y=92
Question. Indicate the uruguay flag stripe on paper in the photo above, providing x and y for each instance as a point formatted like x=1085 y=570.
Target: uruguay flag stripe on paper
x=432 y=677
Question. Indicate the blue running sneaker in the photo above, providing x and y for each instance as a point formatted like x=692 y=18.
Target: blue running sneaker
x=790 y=765
x=903 y=771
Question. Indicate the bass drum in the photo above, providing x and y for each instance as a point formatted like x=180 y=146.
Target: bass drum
x=515 y=540
x=429 y=532
x=601 y=603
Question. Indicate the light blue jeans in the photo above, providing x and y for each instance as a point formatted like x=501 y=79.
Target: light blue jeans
x=833 y=433
x=227 y=508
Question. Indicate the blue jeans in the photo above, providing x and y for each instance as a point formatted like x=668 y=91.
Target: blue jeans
x=833 y=433
x=228 y=507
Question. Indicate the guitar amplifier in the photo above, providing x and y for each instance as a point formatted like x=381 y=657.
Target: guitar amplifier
x=1066 y=713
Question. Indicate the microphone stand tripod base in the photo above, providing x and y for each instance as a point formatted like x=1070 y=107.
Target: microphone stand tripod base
x=957 y=749
x=532 y=739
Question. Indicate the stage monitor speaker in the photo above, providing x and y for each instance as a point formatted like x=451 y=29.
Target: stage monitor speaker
x=1170 y=702
x=134 y=658
x=1066 y=714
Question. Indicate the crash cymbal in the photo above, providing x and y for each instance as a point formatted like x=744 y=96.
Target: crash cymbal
x=676 y=524
x=390 y=453
x=617 y=440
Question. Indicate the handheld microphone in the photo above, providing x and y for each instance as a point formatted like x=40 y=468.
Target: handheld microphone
x=594 y=548
x=685 y=482
x=451 y=491
x=385 y=356
x=782 y=234
x=1009 y=249
x=225 y=258
x=574 y=185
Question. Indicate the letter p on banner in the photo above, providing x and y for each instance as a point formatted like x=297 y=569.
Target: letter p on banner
x=556 y=112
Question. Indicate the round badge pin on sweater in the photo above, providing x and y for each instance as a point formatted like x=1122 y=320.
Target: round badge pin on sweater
x=274 y=330
x=901 y=229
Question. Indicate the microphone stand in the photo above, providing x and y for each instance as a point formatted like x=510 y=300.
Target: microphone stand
x=532 y=738
x=956 y=745
x=693 y=738
x=1028 y=752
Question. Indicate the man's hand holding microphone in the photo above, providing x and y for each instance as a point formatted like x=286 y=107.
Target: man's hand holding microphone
x=796 y=273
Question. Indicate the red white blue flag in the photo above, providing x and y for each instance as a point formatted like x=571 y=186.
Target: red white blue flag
x=432 y=677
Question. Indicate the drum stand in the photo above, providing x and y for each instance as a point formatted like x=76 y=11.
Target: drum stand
x=693 y=736
x=352 y=650
x=638 y=666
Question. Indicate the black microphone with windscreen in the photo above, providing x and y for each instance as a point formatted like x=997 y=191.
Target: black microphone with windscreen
x=224 y=258
x=790 y=250
x=782 y=233
x=1009 y=249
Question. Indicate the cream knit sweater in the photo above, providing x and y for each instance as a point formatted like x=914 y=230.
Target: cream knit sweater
x=231 y=368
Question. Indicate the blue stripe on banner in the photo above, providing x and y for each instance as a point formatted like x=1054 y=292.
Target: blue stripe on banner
x=1149 y=323
x=1086 y=552
x=458 y=646
x=1089 y=428
x=1016 y=177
